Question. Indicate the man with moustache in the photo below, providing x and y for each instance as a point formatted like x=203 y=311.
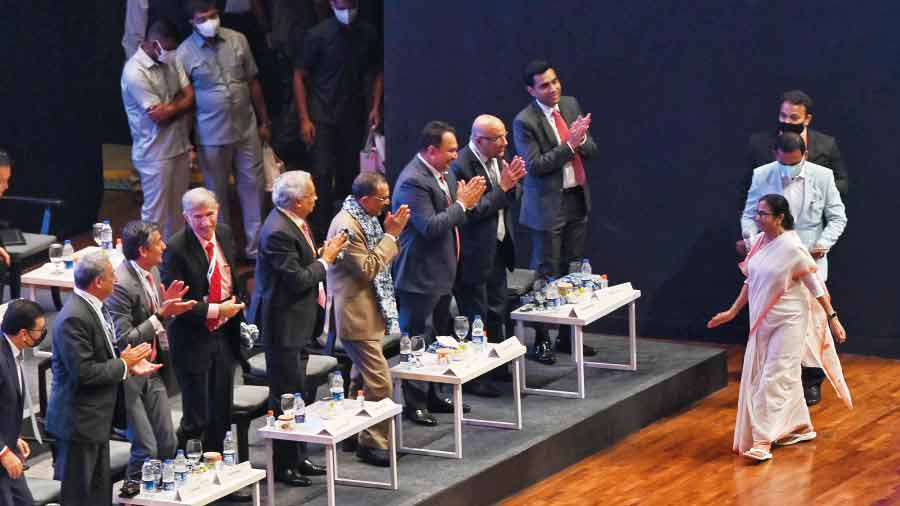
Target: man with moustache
x=425 y=269
x=487 y=250
x=553 y=137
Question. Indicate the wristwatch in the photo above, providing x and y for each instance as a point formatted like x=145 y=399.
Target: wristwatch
x=833 y=315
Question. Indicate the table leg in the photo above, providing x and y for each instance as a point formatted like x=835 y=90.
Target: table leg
x=398 y=398
x=520 y=332
x=517 y=390
x=632 y=333
x=329 y=473
x=256 y=494
x=270 y=473
x=457 y=419
x=578 y=355
x=395 y=482
x=32 y=293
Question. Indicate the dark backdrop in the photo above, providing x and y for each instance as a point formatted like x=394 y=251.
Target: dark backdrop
x=675 y=90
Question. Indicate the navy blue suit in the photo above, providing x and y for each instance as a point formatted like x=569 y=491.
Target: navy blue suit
x=12 y=492
x=425 y=269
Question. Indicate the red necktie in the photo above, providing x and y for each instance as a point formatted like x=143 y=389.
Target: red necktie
x=450 y=203
x=320 y=298
x=563 y=129
x=215 y=285
x=152 y=310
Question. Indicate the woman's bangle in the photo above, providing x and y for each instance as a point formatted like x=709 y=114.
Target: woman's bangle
x=833 y=316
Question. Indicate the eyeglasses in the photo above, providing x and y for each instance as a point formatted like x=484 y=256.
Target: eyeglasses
x=764 y=213
x=494 y=138
x=386 y=198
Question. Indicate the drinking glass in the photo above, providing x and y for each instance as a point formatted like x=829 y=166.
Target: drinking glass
x=461 y=327
x=418 y=348
x=538 y=287
x=56 y=257
x=287 y=403
x=98 y=233
x=194 y=451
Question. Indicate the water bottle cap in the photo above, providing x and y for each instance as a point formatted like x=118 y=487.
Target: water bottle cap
x=106 y=222
x=67 y=242
x=228 y=435
x=478 y=317
x=169 y=461
x=585 y=259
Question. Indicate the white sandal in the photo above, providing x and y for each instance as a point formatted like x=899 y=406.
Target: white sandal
x=758 y=454
x=793 y=439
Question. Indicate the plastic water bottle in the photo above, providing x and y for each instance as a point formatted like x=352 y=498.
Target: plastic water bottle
x=586 y=271
x=478 y=334
x=552 y=293
x=604 y=282
x=405 y=349
x=68 y=252
x=169 y=476
x=148 y=478
x=229 y=455
x=181 y=469
x=299 y=409
x=361 y=399
x=337 y=388
x=106 y=236
x=270 y=419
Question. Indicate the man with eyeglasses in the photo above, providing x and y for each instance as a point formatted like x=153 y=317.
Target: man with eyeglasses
x=487 y=249
x=819 y=215
x=23 y=327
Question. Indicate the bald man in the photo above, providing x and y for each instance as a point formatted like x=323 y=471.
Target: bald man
x=486 y=237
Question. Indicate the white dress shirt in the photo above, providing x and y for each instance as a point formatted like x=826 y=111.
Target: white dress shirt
x=441 y=180
x=212 y=312
x=568 y=168
x=110 y=332
x=494 y=174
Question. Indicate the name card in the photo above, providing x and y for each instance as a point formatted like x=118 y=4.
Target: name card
x=448 y=342
x=195 y=488
x=372 y=409
x=455 y=370
x=506 y=349
x=226 y=474
x=332 y=427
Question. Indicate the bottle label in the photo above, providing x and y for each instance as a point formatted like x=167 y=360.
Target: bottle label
x=149 y=485
x=228 y=458
x=299 y=417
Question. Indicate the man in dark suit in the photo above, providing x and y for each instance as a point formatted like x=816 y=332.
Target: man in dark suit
x=141 y=306
x=795 y=115
x=553 y=137
x=88 y=372
x=487 y=235
x=23 y=326
x=289 y=296
x=5 y=175
x=205 y=340
x=425 y=269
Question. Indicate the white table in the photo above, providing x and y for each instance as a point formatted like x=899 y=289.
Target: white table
x=46 y=276
x=601 y=304
x=203 y=489
x=329 y=433
x=457 y=374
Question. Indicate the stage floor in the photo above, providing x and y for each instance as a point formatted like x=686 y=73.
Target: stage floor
x=557 y=432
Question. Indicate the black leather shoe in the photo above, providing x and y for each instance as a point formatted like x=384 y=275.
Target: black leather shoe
x=481 y=388
x=565 y=346
x=438 y=405
x=293 y=478
x=421 y=417
x=350 y=444
x=543 y=353
x=307 y=468
x=374 y=456
x=239 y=496
x=813 y=394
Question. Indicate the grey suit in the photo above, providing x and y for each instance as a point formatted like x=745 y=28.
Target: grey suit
x=150 y=429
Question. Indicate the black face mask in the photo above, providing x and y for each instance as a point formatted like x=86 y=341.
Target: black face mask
x=796 y=128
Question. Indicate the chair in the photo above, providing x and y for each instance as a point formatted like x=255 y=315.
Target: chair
x=44 y=491
x=35 y=245
x=252 y=401
x=518 y=283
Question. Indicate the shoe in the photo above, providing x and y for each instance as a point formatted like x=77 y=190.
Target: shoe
x=239 y=496
x=542 y=353
x=438 y=405
x=481 y=388
x=793 y=439
x=350 y=444
x=813 y=394
x=307 y=468
x=292 y=477
x=374 y=456
x=565 y=346
x=421 y=417
x=758 y=454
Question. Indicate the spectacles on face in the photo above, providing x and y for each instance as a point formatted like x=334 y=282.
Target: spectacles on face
x=494 y=139
x=386 y=198
x=764 y=213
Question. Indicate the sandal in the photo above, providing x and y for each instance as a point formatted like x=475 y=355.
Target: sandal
x=758 y=454
x=792 y=439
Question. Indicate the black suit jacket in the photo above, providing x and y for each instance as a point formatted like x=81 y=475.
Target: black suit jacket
x=87 y=376
x=287 y=284
x=186 y=260
x=544 y=160
x=427 y=259
x=12 y=400
x=479 y=233
x=822 y=150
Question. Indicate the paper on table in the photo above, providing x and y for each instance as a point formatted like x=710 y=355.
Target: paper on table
x=373 y=408
x=504 y=349
x=447 y=342
x=227 y=474
x=332 y=426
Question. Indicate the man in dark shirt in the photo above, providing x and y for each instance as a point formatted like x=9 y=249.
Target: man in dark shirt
x=330 y=94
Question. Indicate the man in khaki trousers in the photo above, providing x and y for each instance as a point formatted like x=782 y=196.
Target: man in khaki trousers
x=361 y=291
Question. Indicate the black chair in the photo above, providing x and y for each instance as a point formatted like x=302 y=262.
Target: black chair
x=25 y=256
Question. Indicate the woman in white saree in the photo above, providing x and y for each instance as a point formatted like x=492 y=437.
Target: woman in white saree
x=790 y=317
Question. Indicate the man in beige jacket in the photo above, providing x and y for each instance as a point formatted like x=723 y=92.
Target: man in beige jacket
x=361 y=291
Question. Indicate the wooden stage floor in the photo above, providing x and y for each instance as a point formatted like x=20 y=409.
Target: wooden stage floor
x=687 y=460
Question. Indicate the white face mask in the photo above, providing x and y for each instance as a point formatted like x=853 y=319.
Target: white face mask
x=789 y=172
x=345 y=16
x=164 y=57
x=208 y=28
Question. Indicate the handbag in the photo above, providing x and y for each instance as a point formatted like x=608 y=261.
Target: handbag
x=370 y=159
x=272 y=166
